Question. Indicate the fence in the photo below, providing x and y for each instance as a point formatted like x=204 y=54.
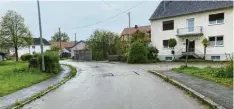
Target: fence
x=83 y=55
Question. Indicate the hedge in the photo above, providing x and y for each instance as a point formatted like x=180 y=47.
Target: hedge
x=51 y=60
x=26 y=57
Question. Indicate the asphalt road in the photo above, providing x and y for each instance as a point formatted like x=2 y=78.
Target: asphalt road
x=114 y=86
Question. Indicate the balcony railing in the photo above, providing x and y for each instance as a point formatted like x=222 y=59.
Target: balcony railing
x=189 y=31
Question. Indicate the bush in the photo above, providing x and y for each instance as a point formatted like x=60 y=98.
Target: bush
x=229 y=69
x=33 y=63
x=138 y=53
x=26 y=57
x=51 y=62
x=152 y=53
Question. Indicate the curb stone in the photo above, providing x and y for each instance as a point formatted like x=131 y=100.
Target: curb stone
x=204 y=99
x=40 y=94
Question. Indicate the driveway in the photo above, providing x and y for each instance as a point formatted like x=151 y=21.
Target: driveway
x=115 y=86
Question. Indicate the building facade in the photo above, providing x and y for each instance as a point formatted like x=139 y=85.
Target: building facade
x=189 y=22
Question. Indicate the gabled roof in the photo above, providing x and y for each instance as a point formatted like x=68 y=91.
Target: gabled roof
x=63 y=44
x=68 y=48
x=78 y=43
x=37 y=41
x=175 y=8
x=133 y=29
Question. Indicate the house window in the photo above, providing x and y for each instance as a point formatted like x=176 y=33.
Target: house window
x=168 y=58
x=165 y=44
x=168 y=25
x=216 y=18
x=216 y=41
x=215 y=57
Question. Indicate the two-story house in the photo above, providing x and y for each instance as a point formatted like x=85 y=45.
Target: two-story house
x=189 y=22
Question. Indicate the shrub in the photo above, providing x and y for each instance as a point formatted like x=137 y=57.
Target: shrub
x=26 y=57
x=229 y=69
x=152 y=53
x=138 y=53
x=33 y=63
x=51 y=62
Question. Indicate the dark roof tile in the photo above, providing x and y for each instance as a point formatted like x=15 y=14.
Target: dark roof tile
x=176 y=8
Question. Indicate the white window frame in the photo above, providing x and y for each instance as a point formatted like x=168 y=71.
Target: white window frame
x=216 y=21
x=215 y=44
x=167 y=44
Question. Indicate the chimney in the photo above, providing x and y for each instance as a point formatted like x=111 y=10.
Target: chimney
x=136 y=26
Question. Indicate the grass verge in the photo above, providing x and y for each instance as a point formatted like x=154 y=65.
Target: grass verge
x=16 y=75
x=20 y=103
x=206 y=73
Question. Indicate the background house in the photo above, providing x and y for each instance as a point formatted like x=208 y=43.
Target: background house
x=127 y=32
x=66 y=46
x=81 y=45
x=35 y=48
x=189 y=22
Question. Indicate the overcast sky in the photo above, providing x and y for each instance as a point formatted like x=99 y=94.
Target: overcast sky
x=71 y=14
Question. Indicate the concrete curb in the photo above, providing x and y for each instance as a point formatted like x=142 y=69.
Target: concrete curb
x=38 y=95
x=203 y=98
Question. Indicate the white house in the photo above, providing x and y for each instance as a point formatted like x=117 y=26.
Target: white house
x=189 y=22
x=36 y=48
x=81 y=45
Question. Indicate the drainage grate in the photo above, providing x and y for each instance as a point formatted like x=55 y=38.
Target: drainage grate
x=136 y=73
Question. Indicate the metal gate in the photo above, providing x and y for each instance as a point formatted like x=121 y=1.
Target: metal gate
x=83 y=55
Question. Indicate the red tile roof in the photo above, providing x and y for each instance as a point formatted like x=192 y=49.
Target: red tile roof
x=133 y=29
x=63 y=44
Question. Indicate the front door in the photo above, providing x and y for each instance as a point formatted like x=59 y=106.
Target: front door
x=190 y=24
x=190 y=45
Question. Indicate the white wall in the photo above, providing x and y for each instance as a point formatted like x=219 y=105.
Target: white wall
x=37 y=49
x=201 y=19
x=79 y=46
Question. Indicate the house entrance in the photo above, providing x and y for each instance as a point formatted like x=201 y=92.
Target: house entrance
x=190 y=45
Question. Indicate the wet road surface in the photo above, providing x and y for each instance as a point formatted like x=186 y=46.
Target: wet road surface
x=114 y=86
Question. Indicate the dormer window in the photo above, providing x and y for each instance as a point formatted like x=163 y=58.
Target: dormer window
x=216 y=18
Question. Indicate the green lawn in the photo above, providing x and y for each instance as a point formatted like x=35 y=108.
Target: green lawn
x=207 y=74
x=15 y=76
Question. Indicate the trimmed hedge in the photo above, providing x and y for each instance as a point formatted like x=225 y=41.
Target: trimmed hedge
x=138 y=53
x=26 y=57
x=51 y=59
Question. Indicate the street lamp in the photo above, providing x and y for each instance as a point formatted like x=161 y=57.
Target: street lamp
x=41 y=41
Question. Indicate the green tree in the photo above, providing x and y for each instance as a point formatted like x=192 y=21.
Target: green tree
x=140 y=37
x=29 y=41
x=13 y=30
x=103 y=43
x=205 y=44
x=138 y=53
x=172 y=43
x=56 y=37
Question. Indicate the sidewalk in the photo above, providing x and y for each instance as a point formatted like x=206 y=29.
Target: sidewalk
x=10 y=99
x=218 y=93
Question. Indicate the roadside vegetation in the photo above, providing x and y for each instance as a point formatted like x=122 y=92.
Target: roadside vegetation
x=106 y=45
x=222 y=75
x=16 y=75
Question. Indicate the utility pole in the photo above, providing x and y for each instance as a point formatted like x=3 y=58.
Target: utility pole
x=60 y=40
x=41 y=41
x=75 y=38
x=129 y=20
x=129 y=25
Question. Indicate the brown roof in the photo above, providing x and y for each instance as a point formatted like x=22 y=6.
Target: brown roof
x=133 y=29
x=63 y=44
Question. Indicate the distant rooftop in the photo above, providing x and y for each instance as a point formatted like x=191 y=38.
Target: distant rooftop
x=134 y=29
